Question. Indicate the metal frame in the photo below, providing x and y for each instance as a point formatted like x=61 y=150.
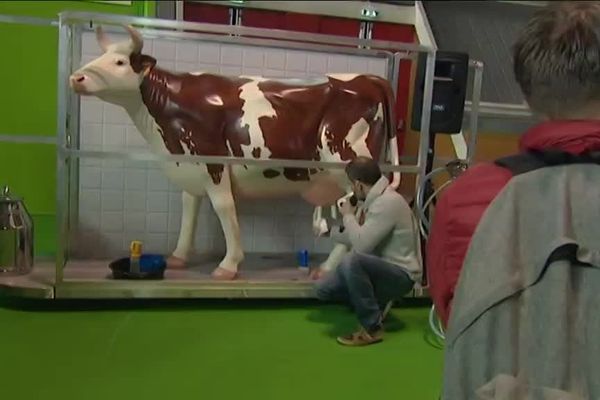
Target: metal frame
x=11 y=19
x=72 y=24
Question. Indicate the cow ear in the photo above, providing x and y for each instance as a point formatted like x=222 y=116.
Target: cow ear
x=147 y=62
x=142 y=63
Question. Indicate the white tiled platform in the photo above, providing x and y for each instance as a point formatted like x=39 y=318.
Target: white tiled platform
x=255 y=268
x=262 y=276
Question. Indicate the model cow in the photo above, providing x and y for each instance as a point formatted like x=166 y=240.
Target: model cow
x=331 y=119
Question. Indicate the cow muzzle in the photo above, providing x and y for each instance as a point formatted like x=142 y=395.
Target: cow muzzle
x=78 y=83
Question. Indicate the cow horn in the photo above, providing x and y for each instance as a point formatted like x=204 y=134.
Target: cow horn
x=136 y=39
x=102 y=38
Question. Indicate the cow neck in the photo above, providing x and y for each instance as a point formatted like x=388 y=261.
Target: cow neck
x=144 y=121
x=155 y=89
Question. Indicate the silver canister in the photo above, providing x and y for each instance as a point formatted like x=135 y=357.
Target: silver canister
x=16 y=235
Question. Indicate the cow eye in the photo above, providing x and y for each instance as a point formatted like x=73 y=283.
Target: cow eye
x=120 y=62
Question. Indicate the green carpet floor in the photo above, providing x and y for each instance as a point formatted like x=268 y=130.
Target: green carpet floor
x=210 y=350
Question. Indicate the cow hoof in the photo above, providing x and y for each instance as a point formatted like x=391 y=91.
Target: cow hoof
x=223 y=274
x=175 y=263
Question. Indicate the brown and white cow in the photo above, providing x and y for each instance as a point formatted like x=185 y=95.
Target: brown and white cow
x=333 y=119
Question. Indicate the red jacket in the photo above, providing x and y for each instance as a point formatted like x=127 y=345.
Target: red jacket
x=462 y=204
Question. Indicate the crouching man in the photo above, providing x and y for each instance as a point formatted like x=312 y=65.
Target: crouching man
x=382 y=264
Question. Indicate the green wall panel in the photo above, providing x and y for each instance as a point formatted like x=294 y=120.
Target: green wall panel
x=28 y=105
x=49 y=9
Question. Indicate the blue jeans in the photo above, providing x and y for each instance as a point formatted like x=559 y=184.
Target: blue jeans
x=369 y=283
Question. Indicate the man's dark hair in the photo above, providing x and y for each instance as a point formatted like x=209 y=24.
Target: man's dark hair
x=557 y=58
x=363 y=169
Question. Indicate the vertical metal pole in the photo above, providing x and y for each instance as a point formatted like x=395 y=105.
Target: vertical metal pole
x=179 y=10
x=362 y=33
x=74 y=130
x=368 y=30
x=474 y=117
x=424 y=155
x=232 y=15
x=238 y=17
x=425 y=117
x=392 y=71
x=397 y=59
x=62 y=170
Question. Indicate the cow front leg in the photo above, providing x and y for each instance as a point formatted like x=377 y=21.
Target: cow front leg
x=224 y=205
x=189 y=218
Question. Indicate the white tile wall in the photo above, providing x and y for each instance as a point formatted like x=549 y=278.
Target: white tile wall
x=120 y=202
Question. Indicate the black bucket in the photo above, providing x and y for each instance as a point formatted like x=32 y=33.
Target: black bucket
x=148 y=270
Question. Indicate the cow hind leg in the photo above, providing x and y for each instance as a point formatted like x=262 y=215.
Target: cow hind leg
x=189 y=219
x=223 y=203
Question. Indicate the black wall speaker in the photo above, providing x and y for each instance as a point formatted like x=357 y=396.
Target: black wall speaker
x=449 y=92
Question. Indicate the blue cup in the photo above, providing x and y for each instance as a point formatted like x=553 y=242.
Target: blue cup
x=303 y=258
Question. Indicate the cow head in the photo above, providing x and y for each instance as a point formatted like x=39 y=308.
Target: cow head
x=117 y=74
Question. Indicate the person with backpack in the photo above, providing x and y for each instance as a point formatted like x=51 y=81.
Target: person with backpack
x=556 y=63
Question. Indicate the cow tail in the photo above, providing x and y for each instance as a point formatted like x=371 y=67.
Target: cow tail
x=392 y=154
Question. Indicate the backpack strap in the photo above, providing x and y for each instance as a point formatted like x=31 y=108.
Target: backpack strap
x=520 y=163
x=535 y=159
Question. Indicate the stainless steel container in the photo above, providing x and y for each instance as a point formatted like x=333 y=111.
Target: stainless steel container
x=16 y=235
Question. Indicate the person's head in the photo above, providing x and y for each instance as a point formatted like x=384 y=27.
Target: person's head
x=363 y=173
x=557 y=60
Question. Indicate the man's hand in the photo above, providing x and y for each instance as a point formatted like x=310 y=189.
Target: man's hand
x=317 y=274
x=347 y=208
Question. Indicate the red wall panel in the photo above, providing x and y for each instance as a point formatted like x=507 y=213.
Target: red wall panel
x=340 y=26
x=263 y=19
x=208 y=13
x=299 y=22
x=302 y=22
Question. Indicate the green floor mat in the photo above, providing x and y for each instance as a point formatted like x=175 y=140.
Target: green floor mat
x=210 y=350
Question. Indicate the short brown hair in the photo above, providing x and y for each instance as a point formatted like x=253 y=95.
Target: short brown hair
x=557 y=58
x=363 y=169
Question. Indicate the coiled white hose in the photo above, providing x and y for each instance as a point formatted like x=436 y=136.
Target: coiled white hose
x=435 y=324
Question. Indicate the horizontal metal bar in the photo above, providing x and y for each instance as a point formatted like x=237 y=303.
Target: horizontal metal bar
x=526 y=3
x=397 y=13
x=506 y=106
x=17 y=19
x=207 y=37
x=39 y=139
x=206 y=289
x=502 y=125
x=501 y=110
x=69 y=17
x=271 y=163
x=31 y=139
x=105 y=289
